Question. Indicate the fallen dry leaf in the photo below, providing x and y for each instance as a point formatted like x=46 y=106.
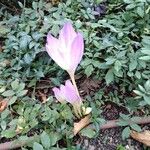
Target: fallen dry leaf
x=143 y=137
x=18 y=130
x=89 y=85
x=43 y=97
x=5 y=63
x=3 y=105
x=1 y=48
x=81 y=124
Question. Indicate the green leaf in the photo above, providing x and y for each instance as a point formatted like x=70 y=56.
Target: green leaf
x=34 y=5
x=124 y=117
x=130 y=6
x=8 y=133
x=14 y=84
x=140 y=11
x=55 y=81
x=110 y=60
x=20 y=4
x=120 y=147
x=132 y=65
x=22 y=93
x=147 y=99
x=126 y=133
x=122 y=123
x=89 y=70
x=147 y=85
x=28 y=58
x=145 y=58
x=21 y=86
x=12 y=100
x=54 y=137
x=88 y=132
x=37 y=146
x=3 y=30
x=67 y=113
x=3 y=125
x=109 y=76
x=2 y=89
x=5 y=113
x=45 y=140
x=145 y=51
x=99 y=1
x=127 y=1
x=117 y=65
x=138 y=92
x=134 y=119
x=142 y=88
x=23 y=42
x=135 y=127
x=8 y=93
x=138 y=74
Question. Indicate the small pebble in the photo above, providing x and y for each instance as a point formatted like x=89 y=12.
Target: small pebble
x=91 y=147
x=86 y=143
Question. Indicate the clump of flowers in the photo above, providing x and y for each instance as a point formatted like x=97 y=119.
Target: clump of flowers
x=67 y=52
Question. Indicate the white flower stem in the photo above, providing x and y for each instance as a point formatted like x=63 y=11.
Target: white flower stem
x=73 y=82
x=77 y=107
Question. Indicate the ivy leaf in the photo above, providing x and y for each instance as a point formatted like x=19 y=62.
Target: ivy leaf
x=146 y=58
x=126 y=133
x=22 y=93
x=27 y=58
x=14 y=84
x=54 y=137
x=117 y=65
x=12 y=100
x=89 y=70
x=132 y=65
x=37 y=146
x=136 y=127
x=147 y=99
x=45 y=140
x=140 y=12
x=88 y=132
x=8 y=133
x=109 y=76
x=147 y=85
x=8 y=93
x=122 y=123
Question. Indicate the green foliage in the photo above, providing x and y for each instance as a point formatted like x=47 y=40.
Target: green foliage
x=16 y=91
x=120 y=147
x=126 y=133
x=37 y=146
x=144 y=93
x=88 y=132
x=126 y=120
x=116 y=52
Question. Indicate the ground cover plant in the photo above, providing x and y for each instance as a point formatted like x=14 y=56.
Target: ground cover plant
x=113 y=77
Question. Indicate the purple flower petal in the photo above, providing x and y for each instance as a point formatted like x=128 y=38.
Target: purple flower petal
x=66 y=51
x=67 y=35
x=59 y=94
x=67 y=93
x=71 y=93
x=53 y=50
x=77 y=48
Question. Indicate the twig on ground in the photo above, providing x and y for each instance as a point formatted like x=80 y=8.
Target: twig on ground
x=17 y=143
x=109 y=124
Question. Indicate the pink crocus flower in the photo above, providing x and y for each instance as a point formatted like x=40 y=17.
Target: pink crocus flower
x=67 y=50
x=68 y=93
